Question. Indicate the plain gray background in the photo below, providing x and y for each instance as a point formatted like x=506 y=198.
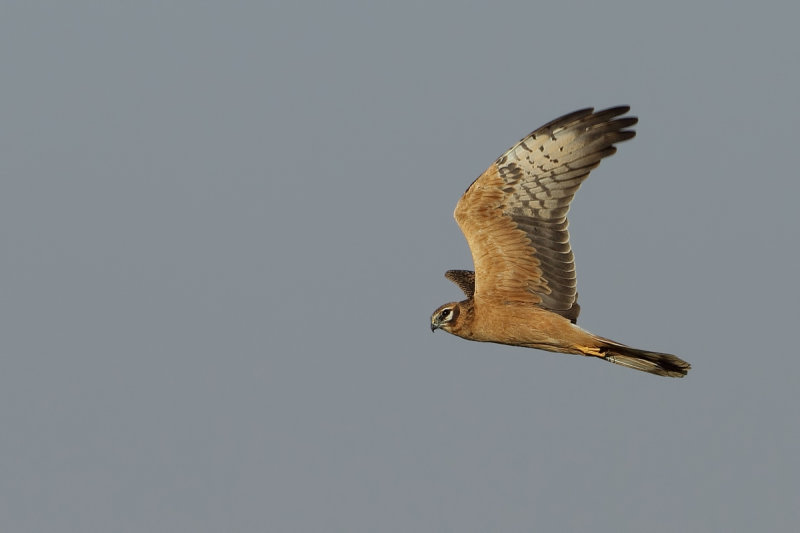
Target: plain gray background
x=224 y=228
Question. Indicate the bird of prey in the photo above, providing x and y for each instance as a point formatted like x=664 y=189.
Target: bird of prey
x=514 y=217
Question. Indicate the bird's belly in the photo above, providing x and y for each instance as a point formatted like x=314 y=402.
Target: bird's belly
x=531 y=328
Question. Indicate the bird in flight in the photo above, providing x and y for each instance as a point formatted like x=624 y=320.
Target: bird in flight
x=514 y=217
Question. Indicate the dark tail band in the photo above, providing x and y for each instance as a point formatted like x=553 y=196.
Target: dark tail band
x=661 y=364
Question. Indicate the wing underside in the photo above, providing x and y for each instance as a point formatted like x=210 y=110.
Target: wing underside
x=514 y=215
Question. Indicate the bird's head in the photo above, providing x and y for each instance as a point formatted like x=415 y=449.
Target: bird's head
x=445 y=317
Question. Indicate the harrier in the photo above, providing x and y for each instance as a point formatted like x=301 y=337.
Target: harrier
x=514 y=217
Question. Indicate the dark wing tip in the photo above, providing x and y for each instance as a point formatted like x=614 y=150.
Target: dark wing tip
x=465 y=279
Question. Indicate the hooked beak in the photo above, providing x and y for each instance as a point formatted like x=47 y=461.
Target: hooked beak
x=434 y=327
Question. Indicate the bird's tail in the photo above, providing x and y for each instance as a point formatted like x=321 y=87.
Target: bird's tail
x=661 y=364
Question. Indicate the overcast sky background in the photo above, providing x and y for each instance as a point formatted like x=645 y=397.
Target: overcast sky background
x=224 y=226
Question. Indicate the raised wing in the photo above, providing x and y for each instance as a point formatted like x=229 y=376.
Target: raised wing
x=514 y=215
x=465 y=279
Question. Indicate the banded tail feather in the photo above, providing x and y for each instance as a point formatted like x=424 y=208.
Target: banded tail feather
x=661 y=364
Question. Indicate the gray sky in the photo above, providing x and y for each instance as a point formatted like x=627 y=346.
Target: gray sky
x=224 y=228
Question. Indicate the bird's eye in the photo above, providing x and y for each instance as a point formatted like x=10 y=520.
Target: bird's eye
x=445 y=313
